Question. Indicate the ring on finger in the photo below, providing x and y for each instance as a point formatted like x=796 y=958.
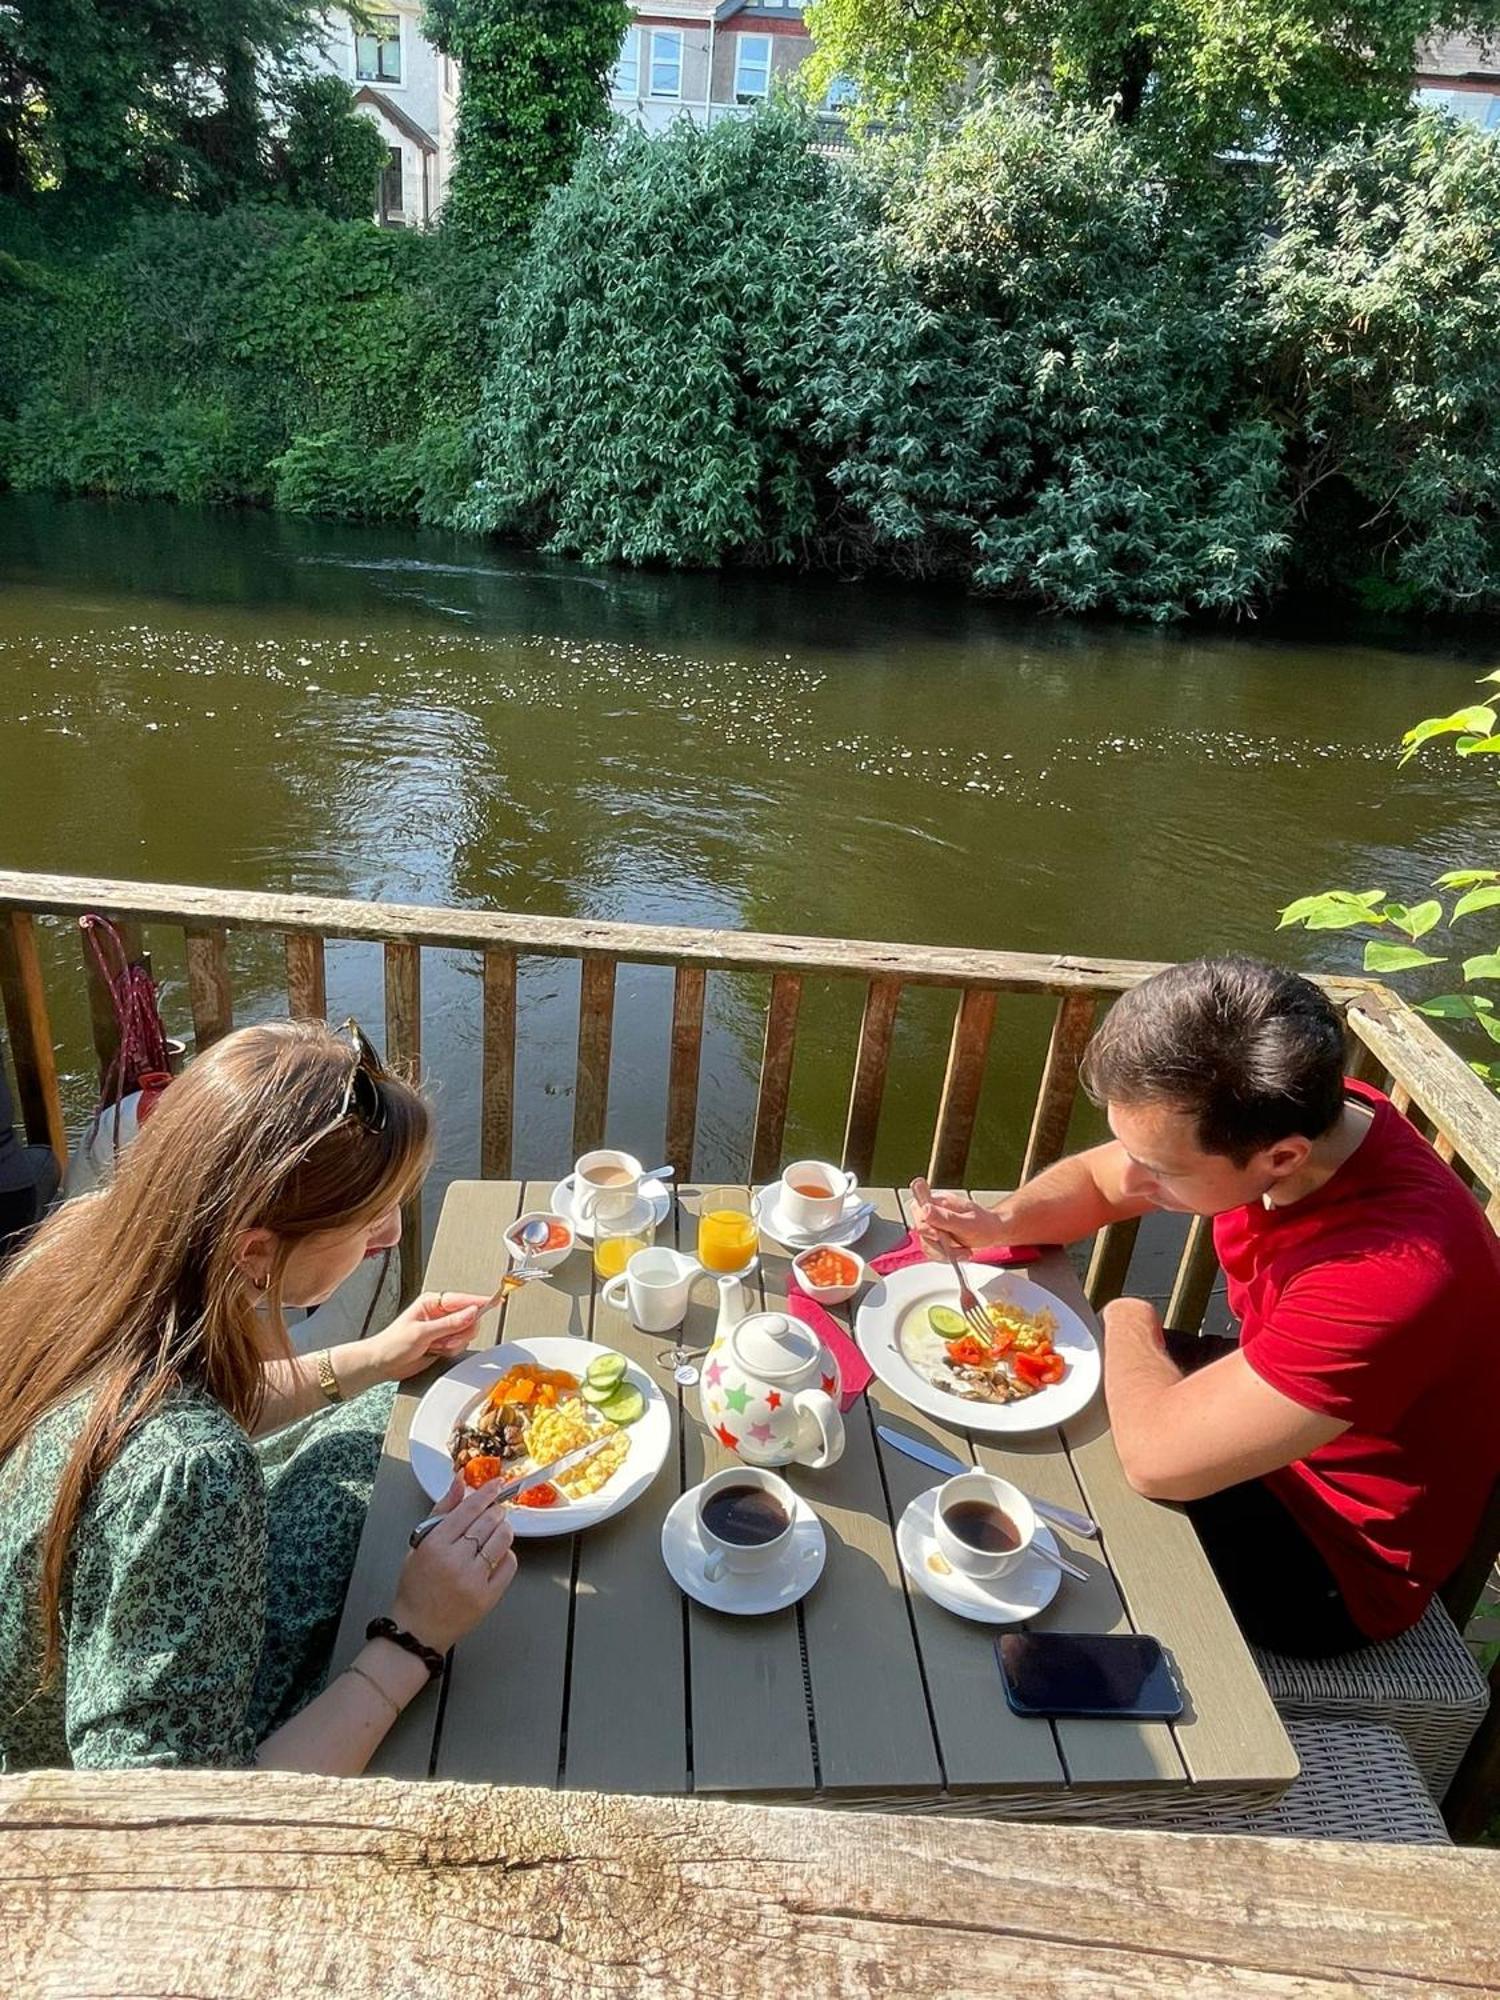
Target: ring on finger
x=467 y=1537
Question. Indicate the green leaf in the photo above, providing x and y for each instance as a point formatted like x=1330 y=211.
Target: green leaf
x=1485 y=966
x=1455 y=1006
x=1462 y=722
x=1477 y=899
x=1475 y=746
x=1396 y=957
x=1465 y=878
x=1490 y=1026
x=1416 y=922
x=1334 y=910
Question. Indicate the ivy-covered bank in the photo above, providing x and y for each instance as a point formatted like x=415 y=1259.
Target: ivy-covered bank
x=1020 y=356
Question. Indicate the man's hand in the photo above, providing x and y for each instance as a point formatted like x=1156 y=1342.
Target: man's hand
x=952 y=1220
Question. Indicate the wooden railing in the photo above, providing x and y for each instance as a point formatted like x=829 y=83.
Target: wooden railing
x=1386 y=1039
x=1388 y=1043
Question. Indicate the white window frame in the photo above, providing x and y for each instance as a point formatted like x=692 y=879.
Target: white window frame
x=672 y=35
x=382 y=82
x=743 y=90
x=617 y=82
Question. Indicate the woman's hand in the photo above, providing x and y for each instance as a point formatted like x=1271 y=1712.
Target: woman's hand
x=953 y=1220
x=433 y=1328
x=460 y=1571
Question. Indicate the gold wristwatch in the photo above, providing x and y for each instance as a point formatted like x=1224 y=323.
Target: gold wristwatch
x=328 y=1382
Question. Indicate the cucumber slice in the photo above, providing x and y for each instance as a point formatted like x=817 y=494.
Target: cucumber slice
x=598 y=1393
x=624 y=1406
x=605 y=1370
x=946 y=1323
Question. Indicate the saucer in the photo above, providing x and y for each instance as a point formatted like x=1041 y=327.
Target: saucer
x=747 y=1594
x=561 y=1203
x=775 y=1225
x=999 y=1600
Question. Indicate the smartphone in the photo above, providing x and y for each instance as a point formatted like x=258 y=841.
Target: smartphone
x=1086 y=1673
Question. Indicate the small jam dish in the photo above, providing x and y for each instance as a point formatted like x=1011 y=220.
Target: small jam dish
x=850 y=1267
x=561 y=1232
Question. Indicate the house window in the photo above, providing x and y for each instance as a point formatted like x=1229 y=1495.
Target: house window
x=843 y=93
x=626 y=81
x=377 y=49
x=392 y=188
x=752 y=68
x=666 y=62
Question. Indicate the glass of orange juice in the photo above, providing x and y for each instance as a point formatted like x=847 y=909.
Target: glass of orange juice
x=727 y=1235
x=618 y=1237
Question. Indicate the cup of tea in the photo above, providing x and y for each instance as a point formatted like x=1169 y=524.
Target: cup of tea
x=984 y=1525
x=745 y=1520
x=813 y=1194
x=656 y=1285
x=605 y=1182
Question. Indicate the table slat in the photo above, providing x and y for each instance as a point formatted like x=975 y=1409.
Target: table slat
x=869 y=1702
x=627 y=1693
x=751 y=1729
x=502 y=1720
x=983 y=1744
x=463 y=1258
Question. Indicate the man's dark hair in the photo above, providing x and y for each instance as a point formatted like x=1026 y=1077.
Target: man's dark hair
x=1254 y=1051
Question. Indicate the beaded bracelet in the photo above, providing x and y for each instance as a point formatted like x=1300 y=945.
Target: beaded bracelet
x=387 y=1628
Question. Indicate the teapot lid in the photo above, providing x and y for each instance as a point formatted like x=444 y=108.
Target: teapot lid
x=770 y=1345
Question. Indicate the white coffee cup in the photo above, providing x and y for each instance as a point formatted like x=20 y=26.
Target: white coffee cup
x=655 y=1285
x=986 y=1490
x=605 y=1182
x=744 y=1558
x=811 y=1212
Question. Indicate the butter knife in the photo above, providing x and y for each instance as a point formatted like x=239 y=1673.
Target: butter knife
x=945 y=1462
x=512 y=1487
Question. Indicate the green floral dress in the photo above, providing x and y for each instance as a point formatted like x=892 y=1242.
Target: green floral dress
x=203 y=1587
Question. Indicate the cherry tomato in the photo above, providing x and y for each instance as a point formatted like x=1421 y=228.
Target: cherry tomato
x=543 y=1495
x=1053 y=1366
x=969 y=1352
x=480 y=1471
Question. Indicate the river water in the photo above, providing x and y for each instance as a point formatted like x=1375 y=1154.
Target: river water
x=250 y=702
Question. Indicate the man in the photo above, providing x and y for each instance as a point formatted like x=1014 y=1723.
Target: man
x=1337 y=1459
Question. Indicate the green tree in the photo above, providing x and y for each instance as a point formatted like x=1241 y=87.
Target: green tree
x=1374 y=311
x=535 y=83
x=1196 y=75
x=329 y=155
x=165 y=94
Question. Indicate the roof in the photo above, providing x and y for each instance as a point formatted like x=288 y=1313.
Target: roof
x=403 y=121
x=749 y=11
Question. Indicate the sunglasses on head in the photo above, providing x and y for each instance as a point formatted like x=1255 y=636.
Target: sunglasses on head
x=363 y=1097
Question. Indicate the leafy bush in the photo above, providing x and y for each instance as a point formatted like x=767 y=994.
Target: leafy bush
x=1376 y=308
x=656 y=351
x=330 y=155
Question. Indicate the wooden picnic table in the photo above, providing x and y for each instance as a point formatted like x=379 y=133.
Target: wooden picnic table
x=597 y=1674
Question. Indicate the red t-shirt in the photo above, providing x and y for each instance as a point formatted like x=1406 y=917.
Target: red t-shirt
x=1376 y=1300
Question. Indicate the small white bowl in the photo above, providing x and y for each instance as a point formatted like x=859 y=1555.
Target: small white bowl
x=829 y=1295
x=540 y=1260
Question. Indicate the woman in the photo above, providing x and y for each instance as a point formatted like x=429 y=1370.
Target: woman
x=169 y=1590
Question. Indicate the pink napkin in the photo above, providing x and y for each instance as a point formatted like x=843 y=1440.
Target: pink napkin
x=855 y=1373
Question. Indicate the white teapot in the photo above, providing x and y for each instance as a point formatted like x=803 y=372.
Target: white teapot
x=770 y=1387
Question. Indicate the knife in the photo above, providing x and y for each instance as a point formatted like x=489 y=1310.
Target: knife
x=943 y=1461
x=512 y=1487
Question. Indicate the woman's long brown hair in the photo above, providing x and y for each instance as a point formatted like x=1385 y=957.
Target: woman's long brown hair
x=134 y=1293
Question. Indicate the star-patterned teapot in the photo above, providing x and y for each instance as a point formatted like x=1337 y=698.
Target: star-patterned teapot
x=770 y=1387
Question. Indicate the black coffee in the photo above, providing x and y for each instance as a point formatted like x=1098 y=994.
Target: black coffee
x=744 y=1515
x=983 y=1526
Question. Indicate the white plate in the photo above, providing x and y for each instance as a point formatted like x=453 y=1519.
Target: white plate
x=877 y=1324
x=744 y=1594
x=561 y=1203
x=454 y=1393
x=1001 y=1600
x=775 y=1225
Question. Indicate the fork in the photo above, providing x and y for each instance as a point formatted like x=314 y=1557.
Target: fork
x=969 y=1303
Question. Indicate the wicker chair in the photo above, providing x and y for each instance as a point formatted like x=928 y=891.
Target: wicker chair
x=1357 y=1783
x=1423 y=1685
